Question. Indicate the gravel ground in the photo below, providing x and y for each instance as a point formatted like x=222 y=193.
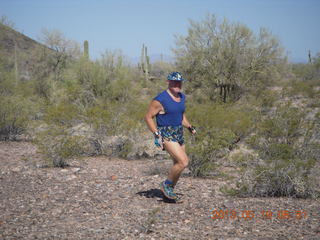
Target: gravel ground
x=104 y=198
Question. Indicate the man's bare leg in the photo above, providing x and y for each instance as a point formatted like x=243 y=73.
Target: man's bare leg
x=180 y=160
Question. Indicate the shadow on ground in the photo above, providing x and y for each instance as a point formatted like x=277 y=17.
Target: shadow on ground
x=152 y=193
x=156 y=193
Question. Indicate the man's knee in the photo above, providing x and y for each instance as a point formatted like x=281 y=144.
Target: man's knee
x=184 y=162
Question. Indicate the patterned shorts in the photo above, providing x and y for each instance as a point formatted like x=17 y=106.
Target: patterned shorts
x=172 y=133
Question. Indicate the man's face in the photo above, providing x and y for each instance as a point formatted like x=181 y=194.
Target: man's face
x=175 y=86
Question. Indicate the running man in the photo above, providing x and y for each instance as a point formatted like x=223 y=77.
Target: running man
x=169 y=109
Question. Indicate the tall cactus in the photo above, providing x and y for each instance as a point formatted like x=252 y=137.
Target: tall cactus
x=145 y=61
x=86 y=49
x=16 y=71
x=141 y=65
x=309 y=55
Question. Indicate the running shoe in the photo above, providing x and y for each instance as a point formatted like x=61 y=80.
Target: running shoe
x=167 y=191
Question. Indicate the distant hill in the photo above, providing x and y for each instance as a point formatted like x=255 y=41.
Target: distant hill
x=18 y=51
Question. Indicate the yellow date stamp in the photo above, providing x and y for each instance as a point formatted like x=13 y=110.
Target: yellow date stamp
x=232 y=214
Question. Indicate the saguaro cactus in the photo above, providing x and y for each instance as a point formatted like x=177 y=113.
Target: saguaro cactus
x=86 y=49
x=16 y=72
x=145 y=61
x=309 y=55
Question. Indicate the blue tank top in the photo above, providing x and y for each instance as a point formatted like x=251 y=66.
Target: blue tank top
x=173 y=110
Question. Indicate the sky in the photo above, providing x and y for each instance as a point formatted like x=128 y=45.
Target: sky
x=127 y=24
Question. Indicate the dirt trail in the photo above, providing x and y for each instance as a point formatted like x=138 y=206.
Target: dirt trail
x=103 y=198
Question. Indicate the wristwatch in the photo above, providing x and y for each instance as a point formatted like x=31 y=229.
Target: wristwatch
x=156 y=134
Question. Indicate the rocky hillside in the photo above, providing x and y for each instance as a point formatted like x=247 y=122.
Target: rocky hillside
x=18 y=51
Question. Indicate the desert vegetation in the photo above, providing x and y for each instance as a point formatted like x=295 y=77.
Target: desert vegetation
x=241 y=92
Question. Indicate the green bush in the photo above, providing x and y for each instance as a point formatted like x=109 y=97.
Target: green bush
x=219 y=128
x=208 y=146
x=15 y=114
x=59 y=146
x=307 y=71
x=238 y=119
x=286 y=156
x=132 y=119
x=125 y=149
x=304 y=88
x=7 y=82
x=103 y=118
x=64 y=114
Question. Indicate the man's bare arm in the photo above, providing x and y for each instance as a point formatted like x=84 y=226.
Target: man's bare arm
x=186 y=123
x=154 y=108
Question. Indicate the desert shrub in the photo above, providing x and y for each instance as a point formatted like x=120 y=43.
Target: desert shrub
x=303 y=71
x=117 y=118
x=305 y=88
x=264 y=100
x=208 y=146
x=307 y=81
x=126 y=148
x=42 y=87
x=103 y=118
x=286 y=155
x=58 y=145
x=120 y=90
x=236 y=118
x=308 y=71
x=219 y=128
x=7 y=82
x=64 y=114
x=132 y=119
x=15 y=114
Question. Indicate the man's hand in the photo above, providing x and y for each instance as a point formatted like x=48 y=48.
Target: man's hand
x=157 y=141
x=192 y=130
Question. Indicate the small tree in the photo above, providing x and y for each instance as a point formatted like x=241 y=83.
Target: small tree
x=63 y=49
x=226 y=56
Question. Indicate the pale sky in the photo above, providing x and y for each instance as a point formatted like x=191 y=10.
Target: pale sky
x=127 y=24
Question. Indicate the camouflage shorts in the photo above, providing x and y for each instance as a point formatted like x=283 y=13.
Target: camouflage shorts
x=172 y=133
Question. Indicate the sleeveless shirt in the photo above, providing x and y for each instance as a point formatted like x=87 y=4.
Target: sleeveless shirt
x=173 y=110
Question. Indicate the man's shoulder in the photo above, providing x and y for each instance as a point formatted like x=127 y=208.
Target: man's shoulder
x=161 y=95
x=164 y=92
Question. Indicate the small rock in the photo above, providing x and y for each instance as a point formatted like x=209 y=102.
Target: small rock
x=71 y=177
x=113 y=177
x=122 y=195
x=75 y=170
x=16 y=169
x=228 y=205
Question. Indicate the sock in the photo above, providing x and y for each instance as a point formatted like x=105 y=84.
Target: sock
x=168 y=182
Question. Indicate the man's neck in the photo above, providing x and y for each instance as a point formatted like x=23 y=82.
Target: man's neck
x=176 y=95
